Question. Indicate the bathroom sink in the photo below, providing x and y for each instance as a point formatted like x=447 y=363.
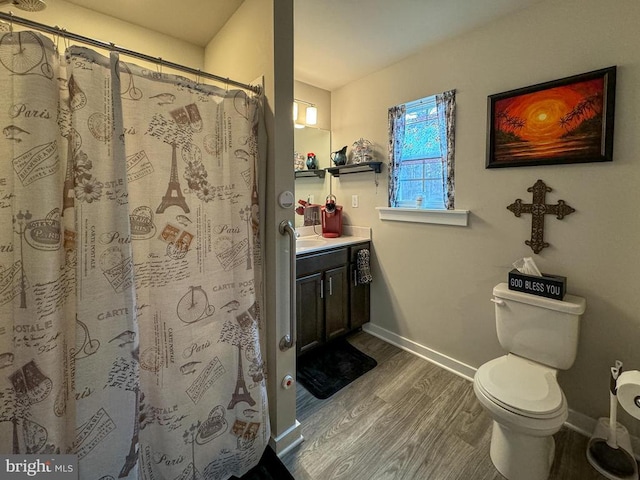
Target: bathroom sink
x=310 y=242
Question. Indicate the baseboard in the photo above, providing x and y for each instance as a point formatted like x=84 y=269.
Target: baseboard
x=581 y=423
x=288 y=440
x=451 y=364
x=586 y=425
x=577 y=421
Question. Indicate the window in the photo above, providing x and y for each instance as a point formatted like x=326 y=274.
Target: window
x=421 y=153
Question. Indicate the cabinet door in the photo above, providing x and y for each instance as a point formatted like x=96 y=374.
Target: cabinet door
x=360 y=303
x=309 y=312
x=336 y=301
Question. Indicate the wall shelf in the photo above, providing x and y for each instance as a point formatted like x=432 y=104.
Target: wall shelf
x=310 y=173
x=355 y=168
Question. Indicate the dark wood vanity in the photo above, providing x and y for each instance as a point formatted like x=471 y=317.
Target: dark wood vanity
x=330 y=302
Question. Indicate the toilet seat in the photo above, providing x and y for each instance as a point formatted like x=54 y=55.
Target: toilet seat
x=521 y=386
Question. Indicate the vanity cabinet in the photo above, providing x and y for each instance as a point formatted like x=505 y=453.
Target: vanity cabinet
x=329 y=304
x=336 y=315
x=309 y=312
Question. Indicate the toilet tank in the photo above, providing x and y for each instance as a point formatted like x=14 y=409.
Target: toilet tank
x=538 y=328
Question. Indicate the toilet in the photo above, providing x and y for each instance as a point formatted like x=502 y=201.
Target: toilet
x=520 y=390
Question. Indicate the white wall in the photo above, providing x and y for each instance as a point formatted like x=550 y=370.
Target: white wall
x=86 y=22
x=432 y=283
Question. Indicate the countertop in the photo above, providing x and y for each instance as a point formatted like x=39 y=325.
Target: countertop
x=310 y=242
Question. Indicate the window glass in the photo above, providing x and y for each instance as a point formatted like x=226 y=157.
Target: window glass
x=422 y=134
x=421 y=160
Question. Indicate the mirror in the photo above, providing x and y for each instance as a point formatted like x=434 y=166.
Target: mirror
x=314 y=140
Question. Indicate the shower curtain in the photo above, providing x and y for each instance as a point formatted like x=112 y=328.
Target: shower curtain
x=130 y=267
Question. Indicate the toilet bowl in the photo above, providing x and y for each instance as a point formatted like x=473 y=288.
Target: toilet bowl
x=527 y=407
x=520 y=390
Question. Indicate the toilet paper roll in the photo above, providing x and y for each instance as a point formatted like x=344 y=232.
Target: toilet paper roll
x=628 y=392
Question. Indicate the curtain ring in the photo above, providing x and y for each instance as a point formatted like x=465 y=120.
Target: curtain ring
x=198 y=77
x=56 y=38
x=11 y=23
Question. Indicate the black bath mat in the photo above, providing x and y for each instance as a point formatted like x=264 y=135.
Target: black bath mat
x=326 y=369
x=269 y=468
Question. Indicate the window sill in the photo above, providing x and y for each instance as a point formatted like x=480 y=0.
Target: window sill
x=458 y=218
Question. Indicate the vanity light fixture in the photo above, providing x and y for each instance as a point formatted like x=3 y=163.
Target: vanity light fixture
x=311 y=114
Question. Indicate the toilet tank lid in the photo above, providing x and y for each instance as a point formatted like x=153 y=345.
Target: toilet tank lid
x=570 y=304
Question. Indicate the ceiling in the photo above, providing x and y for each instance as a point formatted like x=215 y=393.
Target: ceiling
x=336 y=41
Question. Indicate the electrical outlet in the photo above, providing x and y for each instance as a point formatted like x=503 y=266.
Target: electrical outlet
x=354 y=201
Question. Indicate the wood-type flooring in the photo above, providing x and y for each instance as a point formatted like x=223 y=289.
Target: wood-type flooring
x=407 y=419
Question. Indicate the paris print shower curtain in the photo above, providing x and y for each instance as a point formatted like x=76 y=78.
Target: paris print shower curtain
x=130 y=267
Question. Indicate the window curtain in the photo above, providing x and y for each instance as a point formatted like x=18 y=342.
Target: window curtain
x=446 y=104
x=396 y=140
x=131 y=331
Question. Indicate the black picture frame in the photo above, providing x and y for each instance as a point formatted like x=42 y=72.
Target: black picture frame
x=569 y=120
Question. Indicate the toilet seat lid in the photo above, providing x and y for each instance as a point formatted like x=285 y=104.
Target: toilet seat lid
x=521 y=386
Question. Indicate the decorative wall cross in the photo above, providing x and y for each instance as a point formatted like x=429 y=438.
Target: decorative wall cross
x=538 y=209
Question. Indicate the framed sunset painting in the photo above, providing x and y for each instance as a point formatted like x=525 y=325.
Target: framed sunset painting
x=565 y=121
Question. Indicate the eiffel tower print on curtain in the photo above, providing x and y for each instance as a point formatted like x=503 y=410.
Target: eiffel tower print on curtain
x=174 y=194
x=241 y=394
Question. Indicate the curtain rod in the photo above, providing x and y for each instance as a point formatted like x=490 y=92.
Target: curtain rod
x=11 y=18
